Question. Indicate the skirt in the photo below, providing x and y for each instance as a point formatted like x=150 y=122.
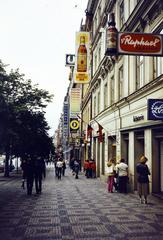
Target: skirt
x=143 y=189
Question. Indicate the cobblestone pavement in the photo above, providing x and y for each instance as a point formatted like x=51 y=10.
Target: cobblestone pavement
x=76 y=209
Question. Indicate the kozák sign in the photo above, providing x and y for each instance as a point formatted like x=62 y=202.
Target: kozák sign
x=155 y=109
x=140 y=44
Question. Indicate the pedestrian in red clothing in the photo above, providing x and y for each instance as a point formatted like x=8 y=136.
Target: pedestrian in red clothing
x=86 y=168
x=93 y=167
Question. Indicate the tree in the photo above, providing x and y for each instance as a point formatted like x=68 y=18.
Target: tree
x=22 y=110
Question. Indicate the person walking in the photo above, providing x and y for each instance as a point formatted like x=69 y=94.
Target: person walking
x=93 y=166
x=111 y=173
x=63 y=168
x=24 y=169
x=39 y=172
x=29 y=174
x=55 y=167
x=142 y=179
x=86 y=168
x=59 y=166
x=76 y=168
x=122 y=170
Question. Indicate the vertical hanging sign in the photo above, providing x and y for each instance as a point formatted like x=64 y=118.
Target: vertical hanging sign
x=75 y=100
x=82 y=58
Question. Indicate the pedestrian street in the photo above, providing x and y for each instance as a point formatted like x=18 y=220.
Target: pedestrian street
x=76 y=209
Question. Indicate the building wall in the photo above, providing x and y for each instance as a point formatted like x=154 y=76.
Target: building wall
x=127 y=132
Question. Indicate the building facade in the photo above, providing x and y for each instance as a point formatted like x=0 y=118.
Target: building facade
x=119 y=90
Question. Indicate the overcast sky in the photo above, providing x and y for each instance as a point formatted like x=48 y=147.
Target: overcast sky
x=35 y=36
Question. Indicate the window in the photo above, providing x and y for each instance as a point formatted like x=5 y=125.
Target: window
x=95 y=25
x=112 y=90
x=98 y=106
x=122 y=18
x=99 y=55
x=99 y=14
x=95 y=66
x=121 y=92
x=158 y=64
x=140 y=72
x=105 y=95
x=94 y=106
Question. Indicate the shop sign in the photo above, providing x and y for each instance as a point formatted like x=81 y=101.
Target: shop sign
x=138 y=118
x=155 y=109
x=75 y=100
x=74 y=124
x=140 y=44
x=70 y=60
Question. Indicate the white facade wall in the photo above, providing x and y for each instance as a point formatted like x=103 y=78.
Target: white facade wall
x=132 y=138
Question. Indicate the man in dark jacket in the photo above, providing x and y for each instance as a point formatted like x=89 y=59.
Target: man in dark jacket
x=29 y=173
x=76 y=168
x=39 y=171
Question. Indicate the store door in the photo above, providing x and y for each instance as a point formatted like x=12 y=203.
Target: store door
x=161 y=165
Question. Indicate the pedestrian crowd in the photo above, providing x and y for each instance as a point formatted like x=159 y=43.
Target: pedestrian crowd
x=118 y=177
x=34 y=170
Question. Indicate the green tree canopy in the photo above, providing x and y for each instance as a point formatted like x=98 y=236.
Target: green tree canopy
x=23 y=128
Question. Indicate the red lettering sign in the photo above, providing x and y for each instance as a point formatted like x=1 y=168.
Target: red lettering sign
x=140 y=44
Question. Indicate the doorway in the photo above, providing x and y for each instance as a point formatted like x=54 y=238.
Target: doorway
x=161 y=166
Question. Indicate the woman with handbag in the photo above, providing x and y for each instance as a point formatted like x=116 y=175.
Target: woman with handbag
x=142 y=179
x=110 y=173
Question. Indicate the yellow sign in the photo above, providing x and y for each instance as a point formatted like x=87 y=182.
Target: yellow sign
x=74 y=124
x=81 y=73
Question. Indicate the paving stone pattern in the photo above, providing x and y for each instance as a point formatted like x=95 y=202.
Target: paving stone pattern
x=76 y=209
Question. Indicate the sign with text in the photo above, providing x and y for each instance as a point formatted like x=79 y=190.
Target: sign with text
x=140 y=44
x=155 y=109
x=75 y=101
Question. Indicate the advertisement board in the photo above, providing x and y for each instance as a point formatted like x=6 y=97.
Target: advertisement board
x=81 y=74
x=75 y=100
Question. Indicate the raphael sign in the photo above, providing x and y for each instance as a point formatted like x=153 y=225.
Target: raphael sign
x=140 y=44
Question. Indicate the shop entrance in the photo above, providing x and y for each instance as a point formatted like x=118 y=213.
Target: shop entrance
x=157 y=159
x=112 y=147
x=125 y=146
x=103 y=157
x=161 y=166
x=138 y=152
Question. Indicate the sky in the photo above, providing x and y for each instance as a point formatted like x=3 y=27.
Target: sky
x=35 y=37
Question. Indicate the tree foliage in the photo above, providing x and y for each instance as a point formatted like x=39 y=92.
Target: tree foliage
x=23 y=128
